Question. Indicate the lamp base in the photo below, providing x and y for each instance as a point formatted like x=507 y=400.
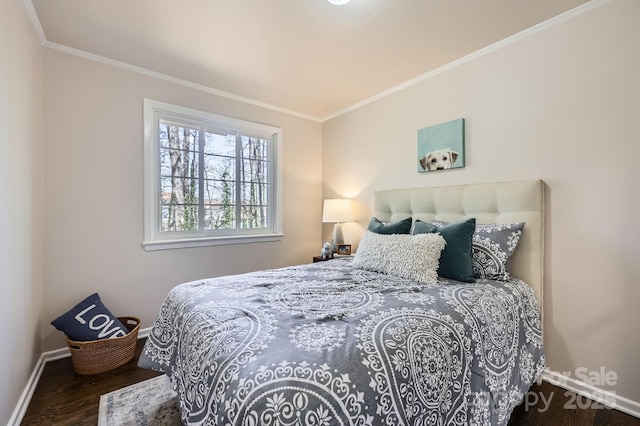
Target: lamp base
x=338 y=238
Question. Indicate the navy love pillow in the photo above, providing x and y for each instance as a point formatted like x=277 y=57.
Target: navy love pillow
x=89 y=320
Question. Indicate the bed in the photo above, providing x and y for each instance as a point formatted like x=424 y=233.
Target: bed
x=331 y=343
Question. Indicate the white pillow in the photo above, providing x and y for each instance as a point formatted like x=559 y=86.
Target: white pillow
x=415 y=257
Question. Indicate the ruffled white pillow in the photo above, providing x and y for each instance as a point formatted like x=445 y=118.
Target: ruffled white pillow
x=414 y=257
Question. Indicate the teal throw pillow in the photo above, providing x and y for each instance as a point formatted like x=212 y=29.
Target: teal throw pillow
x=455 y=261
x=493 y=245
x=400 y=227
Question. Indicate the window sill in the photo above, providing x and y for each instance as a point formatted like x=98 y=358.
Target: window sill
x=209 y=241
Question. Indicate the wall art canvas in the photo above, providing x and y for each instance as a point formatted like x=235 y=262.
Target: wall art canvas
x=441 y=147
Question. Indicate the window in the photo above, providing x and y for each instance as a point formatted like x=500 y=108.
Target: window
x=209 y=179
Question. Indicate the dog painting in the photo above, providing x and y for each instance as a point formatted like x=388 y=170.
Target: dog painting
x=441 y=147
x=438 y=160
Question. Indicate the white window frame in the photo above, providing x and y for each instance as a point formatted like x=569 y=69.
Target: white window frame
x=153 y=111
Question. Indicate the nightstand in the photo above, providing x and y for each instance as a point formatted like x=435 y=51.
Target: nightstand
x=335 y=256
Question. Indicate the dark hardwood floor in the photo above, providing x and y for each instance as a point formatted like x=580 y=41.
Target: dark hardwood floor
x=552 y=405
x=63 y=397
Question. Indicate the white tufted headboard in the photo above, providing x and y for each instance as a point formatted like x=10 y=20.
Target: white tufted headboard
x=505 y=202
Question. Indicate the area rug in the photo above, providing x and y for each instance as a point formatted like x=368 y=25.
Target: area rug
x=151 y=402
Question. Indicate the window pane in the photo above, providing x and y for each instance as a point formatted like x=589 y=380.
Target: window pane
x=255 y=171
x=255 y=148
x=254 y=194
x=254 y=217
x=220 y=192
x=172 y=136
x=165 y=163
x=215 y=143
x=219 y=217
x=221 y=168
x=255 y=156
x=179 y=218
x=178 y=158
x=175 y=190
x=178 y=163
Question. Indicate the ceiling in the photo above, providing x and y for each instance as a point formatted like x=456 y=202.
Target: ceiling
x=307 y=57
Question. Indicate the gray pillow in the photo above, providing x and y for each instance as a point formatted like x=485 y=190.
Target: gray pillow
x=414 y=257
x=493 y=245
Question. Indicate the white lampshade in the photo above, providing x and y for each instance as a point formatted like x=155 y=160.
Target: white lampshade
x=337 y=210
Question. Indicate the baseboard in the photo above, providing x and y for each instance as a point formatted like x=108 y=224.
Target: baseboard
x=27 y=394
x=607 y=398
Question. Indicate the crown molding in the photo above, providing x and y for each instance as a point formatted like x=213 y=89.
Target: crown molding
x=474 y=55
x=175 y=80
x=409 y=83
x=35 y=21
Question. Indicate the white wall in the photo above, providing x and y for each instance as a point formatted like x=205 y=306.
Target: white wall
x=93 y=169
x=20 y=207
x=562 y=105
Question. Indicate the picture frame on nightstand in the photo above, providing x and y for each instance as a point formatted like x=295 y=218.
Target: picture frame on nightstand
x=344 y=249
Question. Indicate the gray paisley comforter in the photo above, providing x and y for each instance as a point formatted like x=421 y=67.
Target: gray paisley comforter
x=328 y=344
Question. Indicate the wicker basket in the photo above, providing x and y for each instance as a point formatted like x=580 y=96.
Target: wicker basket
x=98 y=356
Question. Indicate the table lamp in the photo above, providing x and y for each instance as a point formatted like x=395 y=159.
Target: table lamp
x=338 y=211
